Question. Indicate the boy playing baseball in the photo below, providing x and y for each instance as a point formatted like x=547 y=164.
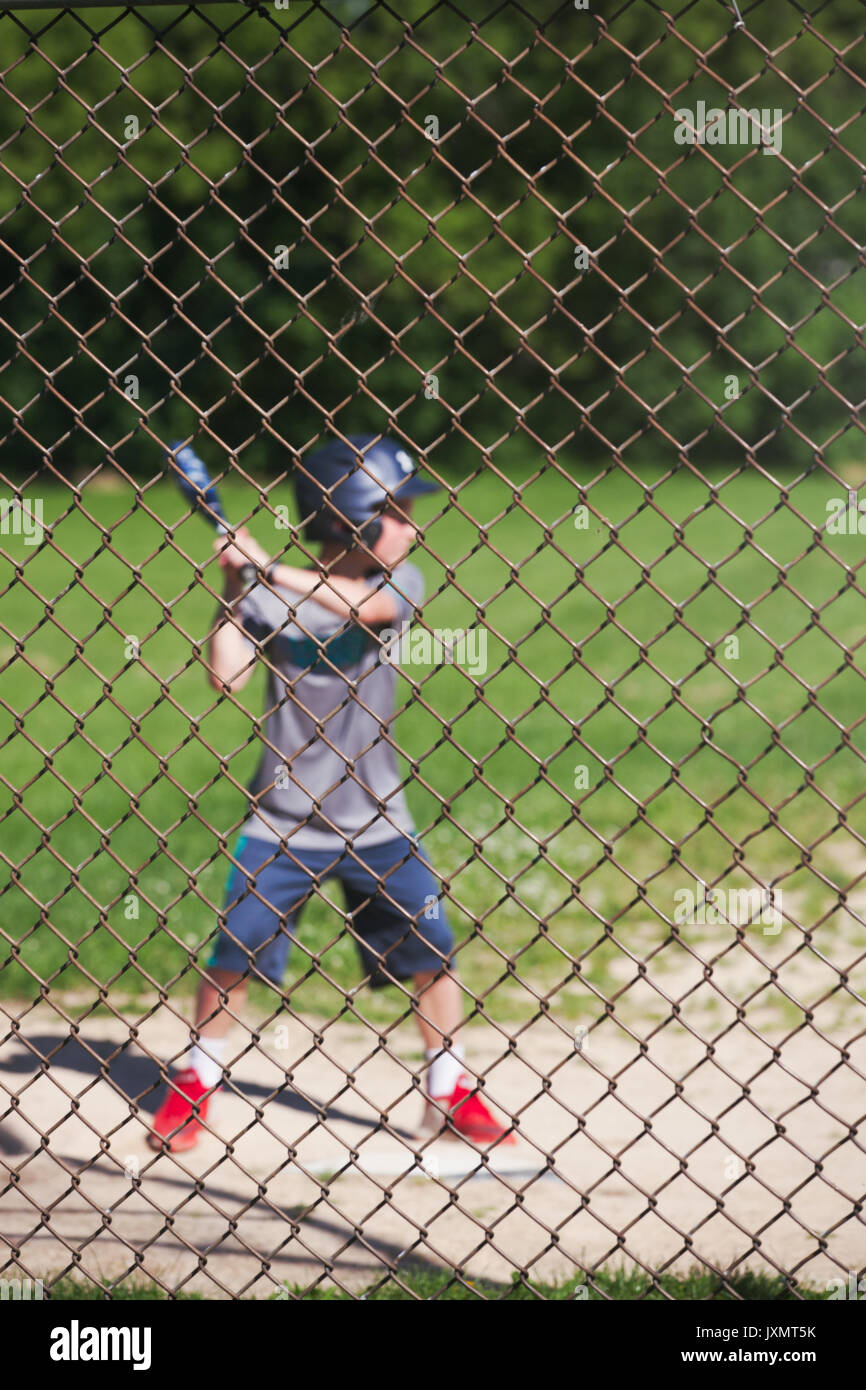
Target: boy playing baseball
x=326 y=800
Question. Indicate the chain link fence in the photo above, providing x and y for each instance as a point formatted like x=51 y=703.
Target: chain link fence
x=599 y=268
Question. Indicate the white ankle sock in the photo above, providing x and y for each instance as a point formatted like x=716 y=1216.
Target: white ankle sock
x=208 y=1068
x=444 y=1069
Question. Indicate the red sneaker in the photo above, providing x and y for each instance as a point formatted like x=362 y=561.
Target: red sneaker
x=177 y=1122
x=469 y=1118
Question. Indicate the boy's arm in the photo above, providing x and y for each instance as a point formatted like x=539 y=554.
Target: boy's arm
x=230 y=654
x=229 y=658
x=338 y=594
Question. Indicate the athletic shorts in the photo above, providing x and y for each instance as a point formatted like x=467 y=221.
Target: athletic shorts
x=398 y=921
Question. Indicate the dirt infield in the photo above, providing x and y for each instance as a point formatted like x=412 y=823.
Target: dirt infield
x=317 y=1189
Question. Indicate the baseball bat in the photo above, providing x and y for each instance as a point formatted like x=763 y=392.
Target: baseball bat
x=198 y=488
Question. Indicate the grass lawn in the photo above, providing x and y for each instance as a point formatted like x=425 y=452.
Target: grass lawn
x=119 y=775
x=621 y=1285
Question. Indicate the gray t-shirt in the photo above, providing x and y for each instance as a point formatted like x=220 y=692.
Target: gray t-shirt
x=327 y=672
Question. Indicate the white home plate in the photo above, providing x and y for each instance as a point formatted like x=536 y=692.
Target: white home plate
x=441 y=1161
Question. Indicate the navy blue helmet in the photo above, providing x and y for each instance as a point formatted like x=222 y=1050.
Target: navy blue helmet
x=342 y=486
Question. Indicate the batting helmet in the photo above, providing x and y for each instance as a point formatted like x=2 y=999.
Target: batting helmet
x=345 y=485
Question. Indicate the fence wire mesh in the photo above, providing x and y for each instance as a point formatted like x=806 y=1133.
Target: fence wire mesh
x=599 y=270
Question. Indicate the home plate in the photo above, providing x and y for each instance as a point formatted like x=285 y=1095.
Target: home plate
x=446 y=1160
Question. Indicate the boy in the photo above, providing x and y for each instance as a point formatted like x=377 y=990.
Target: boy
x=326 y=798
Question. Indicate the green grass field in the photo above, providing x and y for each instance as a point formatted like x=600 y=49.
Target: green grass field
x=626 y=1285
x=119 y=775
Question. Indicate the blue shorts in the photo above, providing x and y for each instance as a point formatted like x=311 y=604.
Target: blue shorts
x=397 y=919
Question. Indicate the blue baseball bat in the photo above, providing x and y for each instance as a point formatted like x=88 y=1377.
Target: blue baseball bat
x=198 y=488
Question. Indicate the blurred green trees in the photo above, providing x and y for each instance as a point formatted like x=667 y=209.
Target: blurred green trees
x=240 y=216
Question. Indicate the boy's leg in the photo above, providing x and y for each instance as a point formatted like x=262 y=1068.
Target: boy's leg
x=213 y=1018
x=218 y=1003
x=438 y=1012
x=437 y=995
x=178 y=1121
x=454 y=1106
x=404 y=935
x=263 y=895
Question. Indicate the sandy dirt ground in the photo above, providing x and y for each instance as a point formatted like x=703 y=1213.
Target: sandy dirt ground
x=626 y=1154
